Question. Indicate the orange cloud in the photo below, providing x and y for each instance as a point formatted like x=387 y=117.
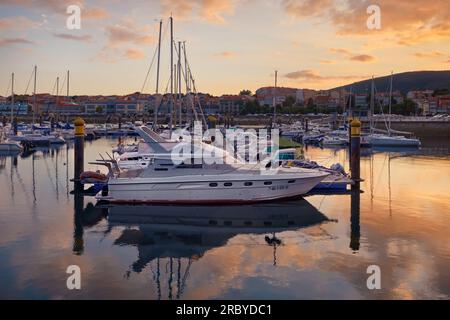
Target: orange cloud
x=128 y=32
x=304 y=75
x=433 y=54
x=226 y=54
x=326 y=62
x=208 y=10
x=58 y=6
x=363 y=58
x=341 y=51
x=119 y=36
x=17 y=22
x=305 y=8
x=352 y=56
x=314 y=76
x=134 y=54
x=407 y=22
x=94 y=13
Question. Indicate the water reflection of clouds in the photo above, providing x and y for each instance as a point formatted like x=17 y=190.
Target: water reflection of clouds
x=403 y=222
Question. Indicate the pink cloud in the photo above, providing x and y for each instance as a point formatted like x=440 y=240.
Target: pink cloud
x=11 y=41
x=81 y=38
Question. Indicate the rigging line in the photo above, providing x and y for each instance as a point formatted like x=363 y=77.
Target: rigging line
x=165 y=92
x=54 y=87
x=62 y=86
x=381 y=106
x=149 y=70
x=7 y=89
x=29 y=81
x=380 y=174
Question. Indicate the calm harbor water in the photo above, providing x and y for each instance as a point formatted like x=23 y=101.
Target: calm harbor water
x=318 y=247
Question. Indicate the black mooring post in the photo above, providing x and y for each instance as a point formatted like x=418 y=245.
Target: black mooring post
x=354 y=217
x=355 y=150
x=78 y=242
x=14 y=124
x=350 y=142
x=79 y=152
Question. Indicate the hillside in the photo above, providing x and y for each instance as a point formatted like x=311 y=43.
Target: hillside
x=404 y=82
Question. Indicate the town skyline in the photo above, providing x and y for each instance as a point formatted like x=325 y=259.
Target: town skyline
x=311 y=44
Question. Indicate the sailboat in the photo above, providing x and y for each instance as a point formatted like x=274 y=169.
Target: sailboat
x=388 y=140
x=35 y=135
x=7 y=144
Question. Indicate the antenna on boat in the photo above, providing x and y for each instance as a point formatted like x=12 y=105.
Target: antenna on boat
x=12 y=99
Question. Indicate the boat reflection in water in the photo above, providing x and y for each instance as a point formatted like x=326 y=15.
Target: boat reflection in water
x=170 y=238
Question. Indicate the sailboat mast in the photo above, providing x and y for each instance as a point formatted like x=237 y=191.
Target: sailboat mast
x=68 y=77
x=57 y=91
x=186 y=79
x=12 y=99
x=390 y=104
x=34 y=94
x=350 y=111
x=185 y=68
x=275 y=98
x=171 y=75
x=179 y=82
x=159 y=57
x=175 y=96
x=372 y=103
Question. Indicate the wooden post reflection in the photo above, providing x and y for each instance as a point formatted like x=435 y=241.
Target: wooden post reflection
x=354 y=217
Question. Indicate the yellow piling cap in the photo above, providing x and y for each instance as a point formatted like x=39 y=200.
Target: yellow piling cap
x=79 y=122
x=355 y=123
x=212 y=119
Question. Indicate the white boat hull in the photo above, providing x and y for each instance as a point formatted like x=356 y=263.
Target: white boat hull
x=394 y=142
x=199 y=191
x=10 y=146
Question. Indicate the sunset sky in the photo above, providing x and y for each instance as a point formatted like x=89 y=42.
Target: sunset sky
x=231 y=44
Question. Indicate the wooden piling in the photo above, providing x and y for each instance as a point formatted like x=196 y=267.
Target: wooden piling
x=78 y=151
x=355 y=217
x=355 y=142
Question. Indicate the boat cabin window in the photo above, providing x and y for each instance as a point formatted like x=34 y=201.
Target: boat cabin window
x=291 y=181
x=248 y=184
x=227 y=184
x=190 y=166
x=213 y=184
x=267 y=183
